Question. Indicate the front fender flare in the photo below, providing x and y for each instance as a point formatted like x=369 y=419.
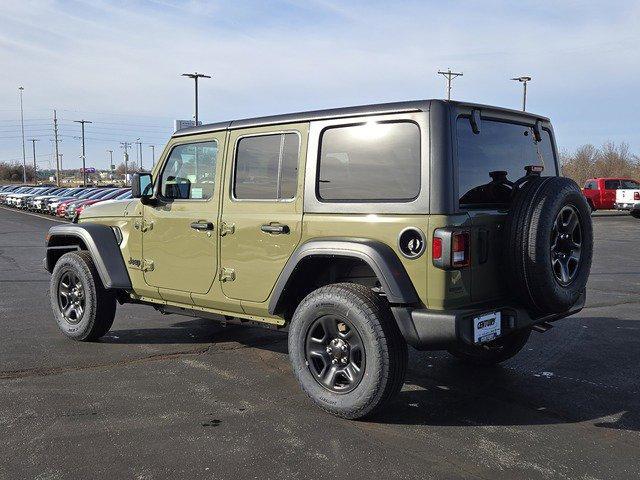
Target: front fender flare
x=393 y=277
x=101 y=242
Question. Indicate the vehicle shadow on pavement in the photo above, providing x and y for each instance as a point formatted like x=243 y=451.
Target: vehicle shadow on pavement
x=584 y=386
x=594 y=380
x=199 y=330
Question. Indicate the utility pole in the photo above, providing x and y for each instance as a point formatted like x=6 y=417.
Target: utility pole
x=195 y=77
x=33 y=141
x=84 y=167
x=153 y=155
x=139 y=152
x=55 y=136
x=24 y=152
x=110 y=152
x=449 y=75
x=524 y=81
x=125 y=146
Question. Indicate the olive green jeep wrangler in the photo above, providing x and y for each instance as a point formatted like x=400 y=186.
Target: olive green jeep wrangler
x=435 y=224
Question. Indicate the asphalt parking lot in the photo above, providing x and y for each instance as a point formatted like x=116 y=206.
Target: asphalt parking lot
x=176 y=397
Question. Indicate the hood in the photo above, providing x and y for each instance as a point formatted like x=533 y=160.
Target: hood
x=110 y=208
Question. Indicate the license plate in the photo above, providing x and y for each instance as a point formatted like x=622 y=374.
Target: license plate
x=486 y=327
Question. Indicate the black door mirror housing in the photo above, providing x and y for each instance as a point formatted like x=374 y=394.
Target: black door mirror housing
x=141 y=185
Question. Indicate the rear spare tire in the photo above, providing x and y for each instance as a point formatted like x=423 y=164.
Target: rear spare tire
x=549 y=244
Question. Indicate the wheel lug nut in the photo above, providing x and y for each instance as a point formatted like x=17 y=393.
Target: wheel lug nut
x=334 y=361
x=328 y=349
x=344 y=348
x=344 y=360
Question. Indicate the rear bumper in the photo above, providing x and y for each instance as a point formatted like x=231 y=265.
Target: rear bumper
x=438 y=329
x=627 y=206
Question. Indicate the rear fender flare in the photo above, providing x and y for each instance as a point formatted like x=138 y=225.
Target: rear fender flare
x=384 y=262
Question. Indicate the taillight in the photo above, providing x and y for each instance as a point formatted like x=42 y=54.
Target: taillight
x=436 y=248
x=460 y=249
x=636 y=195
x=450 y=248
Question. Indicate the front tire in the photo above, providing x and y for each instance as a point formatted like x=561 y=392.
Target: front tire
x=493 y=353
x=346 y=350
x=84 y=310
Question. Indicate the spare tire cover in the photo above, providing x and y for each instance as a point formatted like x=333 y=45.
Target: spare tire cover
x=549 y=244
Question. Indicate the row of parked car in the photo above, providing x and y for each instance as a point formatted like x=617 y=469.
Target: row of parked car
x=63 y=202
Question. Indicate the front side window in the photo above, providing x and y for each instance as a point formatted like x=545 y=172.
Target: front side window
x=373 y=162
x=190 y=172
x=266 y=167
x=489 y=162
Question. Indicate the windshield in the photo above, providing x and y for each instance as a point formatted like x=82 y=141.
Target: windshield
x=489 y=162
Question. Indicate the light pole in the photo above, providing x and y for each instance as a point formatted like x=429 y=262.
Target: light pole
x=153 y=155
x=84 y=168
x=138 y=142
x=110 y=152
x=524 y=81
x=125 y=146
x=24 y=152
x=35 y=177
x=195 y=77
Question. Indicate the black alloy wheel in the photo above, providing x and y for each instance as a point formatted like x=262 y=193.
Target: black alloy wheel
x=566 y=245
x=71 y=298
x=335 y=354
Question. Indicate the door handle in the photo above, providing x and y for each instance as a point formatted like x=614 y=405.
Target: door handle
x=275 y=228
x=202 y=226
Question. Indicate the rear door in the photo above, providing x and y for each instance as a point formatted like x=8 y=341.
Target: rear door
x=262 y=208
x=488 y=163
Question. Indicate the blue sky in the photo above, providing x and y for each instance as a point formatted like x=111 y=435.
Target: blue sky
x=118 y=64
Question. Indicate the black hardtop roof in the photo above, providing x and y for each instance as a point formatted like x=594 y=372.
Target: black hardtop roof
x=374 y=109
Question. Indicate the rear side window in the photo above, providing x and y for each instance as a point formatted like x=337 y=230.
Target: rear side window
x=267 y=167
x=611 y=184
x=490 y=161
x=373 y=162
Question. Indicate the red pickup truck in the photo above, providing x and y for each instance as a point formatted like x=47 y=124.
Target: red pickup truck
x=601 y=192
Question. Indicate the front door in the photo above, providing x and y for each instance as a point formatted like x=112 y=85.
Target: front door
x=179 y=232
x=262 y=208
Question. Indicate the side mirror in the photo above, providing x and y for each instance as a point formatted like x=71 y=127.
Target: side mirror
x=141 y=185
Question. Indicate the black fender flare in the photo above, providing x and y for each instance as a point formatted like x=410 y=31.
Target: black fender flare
x=102 y=244
x=394 y=279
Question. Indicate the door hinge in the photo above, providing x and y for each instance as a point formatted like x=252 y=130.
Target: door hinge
x=146 y=265
x=227 y=274
x=227 y=228
x=143 y=225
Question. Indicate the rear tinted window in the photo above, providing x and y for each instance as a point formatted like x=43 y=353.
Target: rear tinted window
x=490 y=161
x=370 y=162
x=267 y=167
x=629 y=184
x=611 y=184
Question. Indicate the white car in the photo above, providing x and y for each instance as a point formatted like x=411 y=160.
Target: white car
x=628 y=198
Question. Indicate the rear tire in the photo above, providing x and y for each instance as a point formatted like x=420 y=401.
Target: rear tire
x=635 y=213
x=82 y=307
x=350 y=318
x=492 y=353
